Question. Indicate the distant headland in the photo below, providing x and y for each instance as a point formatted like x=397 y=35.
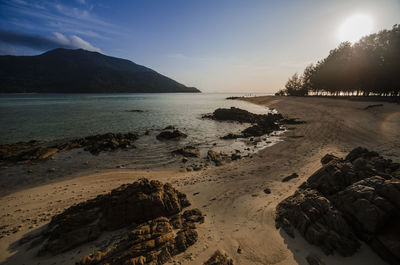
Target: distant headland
x=80 y=71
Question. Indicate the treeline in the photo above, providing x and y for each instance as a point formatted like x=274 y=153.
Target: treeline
x=370 y=67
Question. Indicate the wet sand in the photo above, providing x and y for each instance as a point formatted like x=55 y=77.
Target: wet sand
x=238 y=212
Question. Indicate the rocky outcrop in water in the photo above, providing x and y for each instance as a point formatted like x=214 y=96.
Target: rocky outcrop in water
x=129 y=205
x=348 y=200
x=24 y=152
x=240 y=115
x=261 y=123
x=169 y=135
x=188 y=151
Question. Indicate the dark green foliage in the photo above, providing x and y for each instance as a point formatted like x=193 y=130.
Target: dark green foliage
x=80 y=71
x=370 y=67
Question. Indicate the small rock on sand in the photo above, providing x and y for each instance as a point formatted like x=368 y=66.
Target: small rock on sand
x=218 y=258
x=293 y=176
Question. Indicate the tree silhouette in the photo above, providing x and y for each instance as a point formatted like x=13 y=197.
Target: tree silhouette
x=370 y=67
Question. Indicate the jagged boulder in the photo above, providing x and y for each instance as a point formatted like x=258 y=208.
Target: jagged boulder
x=218 y=258
x=153 y=242
x=317 y=221
x=345 y=201
x=127 y=205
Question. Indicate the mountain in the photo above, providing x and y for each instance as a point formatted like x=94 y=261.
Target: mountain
x=81 y=71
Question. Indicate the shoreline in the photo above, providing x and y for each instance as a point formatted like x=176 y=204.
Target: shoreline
x=238 y=212
x=28 y=164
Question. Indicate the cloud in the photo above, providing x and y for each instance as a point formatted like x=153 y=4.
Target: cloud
x=40 y=42
x=29 y=5
x=59 y=16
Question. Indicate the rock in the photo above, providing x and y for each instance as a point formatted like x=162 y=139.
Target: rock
x=332 y=177
x=184 y=159
x=262 y=123
x=292 y=176
x=25 y=152
x=108 y=142
x=267 y=191
x=360 y=152
x=147 y=132
x=135 y=110
x=345 y=201
x=255 y=130
x=169 y=127
x=188 y=151
x=373 y=106
x=233 y=114
x=51 y=169
x=374 y=213
x=314 y=260
x=153 y=242
x=328 y=158
x=231 y=136
x=292 y=121
x=127 y=205
x=198 y=167
x=235 y=157
x=217 y=157
x=317 y=221
x=168 y=135
x=219 y=259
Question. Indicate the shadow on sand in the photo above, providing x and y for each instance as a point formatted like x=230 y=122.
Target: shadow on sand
x=300 y=249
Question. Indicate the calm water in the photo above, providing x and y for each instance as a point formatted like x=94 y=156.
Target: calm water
x=49 y=117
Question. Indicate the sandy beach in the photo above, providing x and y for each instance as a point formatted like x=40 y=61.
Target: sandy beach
x=238 y=214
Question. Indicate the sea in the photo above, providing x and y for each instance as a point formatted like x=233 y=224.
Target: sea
x=54 y=117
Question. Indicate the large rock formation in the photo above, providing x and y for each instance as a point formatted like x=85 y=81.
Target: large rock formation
x=150 y=207
x=348 y=200
x=239 y=115
x=261 y=123
x=28 y=151
x=153 y=242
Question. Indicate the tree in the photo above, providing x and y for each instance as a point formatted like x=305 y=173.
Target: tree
x=294 y=86
x=369 y=67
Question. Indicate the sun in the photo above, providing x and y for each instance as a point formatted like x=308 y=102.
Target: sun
x=355 y=27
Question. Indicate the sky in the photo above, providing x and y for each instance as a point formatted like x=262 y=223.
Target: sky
x=249 y=46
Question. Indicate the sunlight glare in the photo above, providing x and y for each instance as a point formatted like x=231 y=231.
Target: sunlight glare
x=355 y=27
